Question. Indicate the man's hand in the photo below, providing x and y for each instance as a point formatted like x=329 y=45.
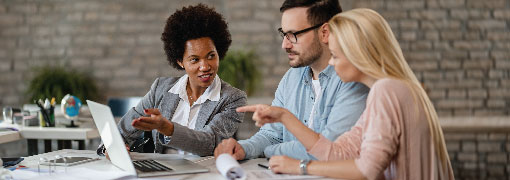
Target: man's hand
x=232 y=147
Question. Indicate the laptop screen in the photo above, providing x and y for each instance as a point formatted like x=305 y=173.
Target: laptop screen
x=110 y=135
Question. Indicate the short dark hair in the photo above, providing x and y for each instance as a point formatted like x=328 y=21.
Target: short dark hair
x=319 y=11
x=194 y=22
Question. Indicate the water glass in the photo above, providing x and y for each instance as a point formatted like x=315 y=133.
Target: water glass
x=7 y=112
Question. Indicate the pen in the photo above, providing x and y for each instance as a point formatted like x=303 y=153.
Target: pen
x=43 y=111
x=52 y=112
x=263 y=166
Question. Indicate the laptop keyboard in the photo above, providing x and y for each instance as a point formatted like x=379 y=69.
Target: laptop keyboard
x=150 y=166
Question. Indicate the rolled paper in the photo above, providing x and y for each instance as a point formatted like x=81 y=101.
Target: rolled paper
x=229 y=167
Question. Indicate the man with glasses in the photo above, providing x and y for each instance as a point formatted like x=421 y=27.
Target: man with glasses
x=310 y=89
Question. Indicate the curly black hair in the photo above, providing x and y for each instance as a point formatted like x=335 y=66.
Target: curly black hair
x=194 y=22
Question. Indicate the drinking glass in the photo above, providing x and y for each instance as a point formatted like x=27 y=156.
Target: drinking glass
x=7 y=111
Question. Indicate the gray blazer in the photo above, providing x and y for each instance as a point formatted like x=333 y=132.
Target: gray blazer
x=217 y=120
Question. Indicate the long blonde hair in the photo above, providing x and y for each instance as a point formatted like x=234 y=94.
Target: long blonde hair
x=368 y=43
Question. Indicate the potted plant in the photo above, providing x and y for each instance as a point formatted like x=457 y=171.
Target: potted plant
x=56 y=82
x=238 y=69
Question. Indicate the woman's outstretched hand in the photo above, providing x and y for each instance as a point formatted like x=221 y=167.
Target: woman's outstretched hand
x=264 y=114
x=155 y=121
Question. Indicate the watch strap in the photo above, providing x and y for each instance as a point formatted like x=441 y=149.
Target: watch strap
x=303 y=164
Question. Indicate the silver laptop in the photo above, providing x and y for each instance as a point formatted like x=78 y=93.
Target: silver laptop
x=119 y=155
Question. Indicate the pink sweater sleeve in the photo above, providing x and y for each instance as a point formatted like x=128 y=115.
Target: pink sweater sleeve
x=345 y=146
x=374 y=140
x=382 y=129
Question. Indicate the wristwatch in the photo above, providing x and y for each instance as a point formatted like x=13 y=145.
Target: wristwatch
x=303 y=165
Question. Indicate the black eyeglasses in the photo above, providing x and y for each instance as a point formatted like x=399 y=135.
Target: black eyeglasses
x=292 y=36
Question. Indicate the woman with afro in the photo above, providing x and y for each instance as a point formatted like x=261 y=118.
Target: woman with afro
x=195 y=112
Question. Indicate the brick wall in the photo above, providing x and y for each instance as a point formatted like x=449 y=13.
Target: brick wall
x=482 y=155
x=458 y=48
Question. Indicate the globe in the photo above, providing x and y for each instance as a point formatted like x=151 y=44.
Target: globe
x=71 y=106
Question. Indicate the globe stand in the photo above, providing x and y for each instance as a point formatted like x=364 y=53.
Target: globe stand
x=72 y=125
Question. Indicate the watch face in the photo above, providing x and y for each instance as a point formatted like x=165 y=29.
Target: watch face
x=302 y=165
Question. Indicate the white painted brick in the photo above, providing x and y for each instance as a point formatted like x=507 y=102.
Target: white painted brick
x=459 y=103
x=81 y=63
x=489 y=147
x=502 y=14
x=369 y=4
x=428 y=14
x=470 y=45
x=3 y=9
x=500 y=55
x=467 y=157
x=451 y=3
x=394 y=14
x=456 y=94
x=450 y=64
x=24 y=8
x=495 y=103
x=450 y=35
x=10 y=19
x=487 y=24
x=440 y=23
x=468 y=146
x=485 y=4
x=477 y=93
x=423 y=55
x=14 y=31
x=408 y=5
x=478 y=64
x=125 y=72
x=495 y=93
x=475 y=74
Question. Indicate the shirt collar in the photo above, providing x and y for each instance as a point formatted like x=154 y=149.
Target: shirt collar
x=328 y=72
x=212 y=92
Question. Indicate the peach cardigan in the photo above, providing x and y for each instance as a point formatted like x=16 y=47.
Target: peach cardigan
x=391 y=140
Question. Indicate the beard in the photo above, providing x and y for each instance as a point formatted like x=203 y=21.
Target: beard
x=308 y=57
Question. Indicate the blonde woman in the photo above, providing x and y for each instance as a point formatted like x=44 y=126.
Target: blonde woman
x=398 y=135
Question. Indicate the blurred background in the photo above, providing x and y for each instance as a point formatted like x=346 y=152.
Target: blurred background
x=459 y=49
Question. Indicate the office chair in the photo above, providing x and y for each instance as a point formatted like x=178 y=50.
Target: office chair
x=121 y=105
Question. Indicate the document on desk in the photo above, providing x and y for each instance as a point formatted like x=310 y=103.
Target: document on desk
x=267 y=174
x=72 y=173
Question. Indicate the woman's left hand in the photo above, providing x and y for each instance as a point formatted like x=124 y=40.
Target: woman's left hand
x=284 y=165
x=155 y=121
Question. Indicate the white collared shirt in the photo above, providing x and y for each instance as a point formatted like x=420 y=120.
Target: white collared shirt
x=185 y=114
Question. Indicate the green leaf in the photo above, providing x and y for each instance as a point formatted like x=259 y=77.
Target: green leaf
x=56 y=82
x=238 y=68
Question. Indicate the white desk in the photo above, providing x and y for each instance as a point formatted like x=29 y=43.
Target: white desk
x=63 y=135
x=9 y=136
x=58 y=133
x=105 y=165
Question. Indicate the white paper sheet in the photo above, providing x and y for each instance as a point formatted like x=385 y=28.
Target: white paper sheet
x=267 y=174
x=72 y=173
